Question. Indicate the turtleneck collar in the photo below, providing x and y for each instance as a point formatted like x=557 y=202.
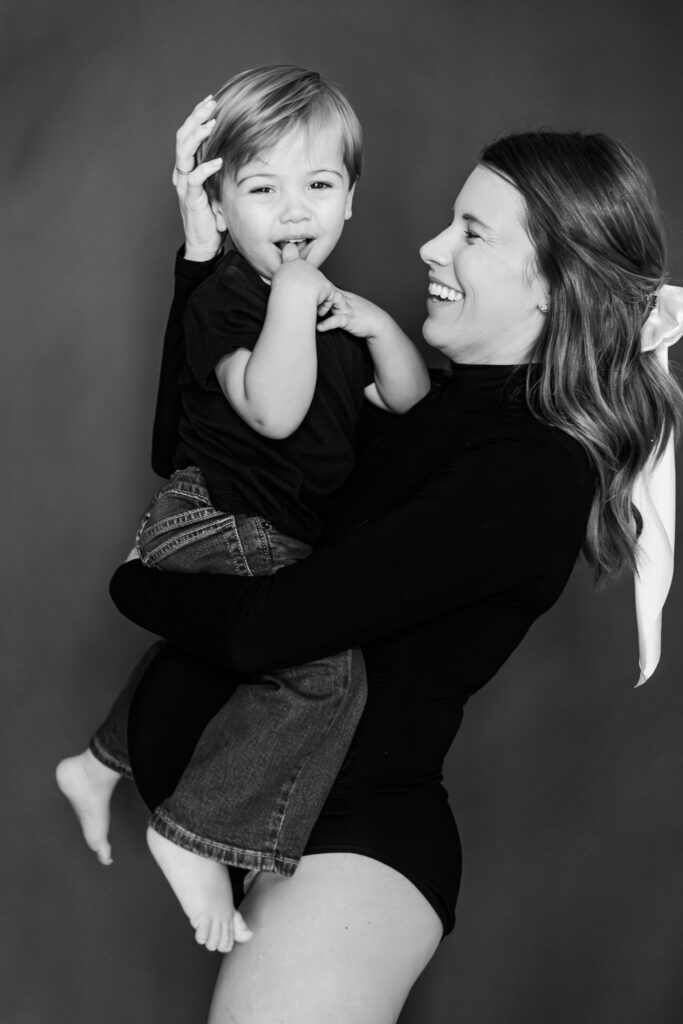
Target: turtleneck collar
x=477 y=386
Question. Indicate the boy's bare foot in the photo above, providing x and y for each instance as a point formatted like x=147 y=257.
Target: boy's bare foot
x=88 y=785
x=204 y=891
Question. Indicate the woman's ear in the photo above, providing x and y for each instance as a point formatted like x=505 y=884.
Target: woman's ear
x=539 y=288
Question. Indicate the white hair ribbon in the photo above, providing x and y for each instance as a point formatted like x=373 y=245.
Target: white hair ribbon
x=654 y=495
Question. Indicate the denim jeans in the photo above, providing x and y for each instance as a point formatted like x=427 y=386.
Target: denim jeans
x=265 y=763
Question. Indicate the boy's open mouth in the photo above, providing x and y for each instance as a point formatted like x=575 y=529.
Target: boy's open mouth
x=300 y=243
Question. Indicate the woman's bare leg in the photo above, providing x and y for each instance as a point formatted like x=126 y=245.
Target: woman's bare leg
x=342 y=942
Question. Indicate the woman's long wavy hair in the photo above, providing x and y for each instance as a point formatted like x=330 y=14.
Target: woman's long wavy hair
x=593 y=218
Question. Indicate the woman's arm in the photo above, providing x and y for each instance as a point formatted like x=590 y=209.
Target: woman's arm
x=188 y=274
x=445 y=547
x=194 y=263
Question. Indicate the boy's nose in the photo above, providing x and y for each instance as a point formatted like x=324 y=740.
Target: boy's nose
x=294 y=209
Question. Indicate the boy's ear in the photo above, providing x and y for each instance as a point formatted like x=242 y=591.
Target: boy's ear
x=218 y=214
x=348 y=212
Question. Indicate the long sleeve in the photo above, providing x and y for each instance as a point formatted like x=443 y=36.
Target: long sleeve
x=188 y=275
x=503 y=522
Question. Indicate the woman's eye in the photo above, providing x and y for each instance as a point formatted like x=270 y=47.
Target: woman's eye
x=319 y=186
x=471 y=235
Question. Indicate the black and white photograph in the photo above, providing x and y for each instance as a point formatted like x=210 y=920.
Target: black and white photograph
x=341 y=403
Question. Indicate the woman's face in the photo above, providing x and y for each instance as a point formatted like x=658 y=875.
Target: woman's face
x=484 y=291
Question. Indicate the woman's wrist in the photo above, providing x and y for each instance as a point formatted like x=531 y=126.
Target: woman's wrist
x=201 y=253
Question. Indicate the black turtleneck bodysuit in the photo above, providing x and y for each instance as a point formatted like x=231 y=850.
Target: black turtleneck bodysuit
x=459 y=527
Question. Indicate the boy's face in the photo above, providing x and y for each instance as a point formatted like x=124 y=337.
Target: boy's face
x=297 y=191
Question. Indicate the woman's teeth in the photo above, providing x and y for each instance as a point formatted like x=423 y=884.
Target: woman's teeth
x=440 y=291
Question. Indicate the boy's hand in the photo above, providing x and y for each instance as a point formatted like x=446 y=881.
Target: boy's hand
x=202 y=237
x=401 y=377
x=356 y=315
x=297 y=273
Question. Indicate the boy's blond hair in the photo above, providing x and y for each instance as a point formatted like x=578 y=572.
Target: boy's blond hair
x=257 y=107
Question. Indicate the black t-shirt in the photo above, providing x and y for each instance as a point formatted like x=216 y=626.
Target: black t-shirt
x=290 y=481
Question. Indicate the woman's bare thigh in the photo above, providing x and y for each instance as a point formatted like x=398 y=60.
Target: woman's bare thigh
x=342 y=942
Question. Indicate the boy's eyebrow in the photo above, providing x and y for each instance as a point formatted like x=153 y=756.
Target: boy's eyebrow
x=254 y=174
x=269 y=174
x=327 y=170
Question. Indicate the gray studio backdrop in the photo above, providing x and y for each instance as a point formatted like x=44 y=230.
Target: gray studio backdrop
x=565 y=781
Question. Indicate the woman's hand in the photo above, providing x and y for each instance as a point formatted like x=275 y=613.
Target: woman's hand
x=202 y=237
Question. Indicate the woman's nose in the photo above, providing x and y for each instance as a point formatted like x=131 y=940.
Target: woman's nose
x=436 y=251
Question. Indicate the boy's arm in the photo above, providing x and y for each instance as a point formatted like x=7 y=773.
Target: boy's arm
x=401 y=377
x=271 y=386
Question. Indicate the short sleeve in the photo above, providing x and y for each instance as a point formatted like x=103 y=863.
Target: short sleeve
x=223 y=314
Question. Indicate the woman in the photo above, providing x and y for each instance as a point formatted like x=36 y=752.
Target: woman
x=461 y=526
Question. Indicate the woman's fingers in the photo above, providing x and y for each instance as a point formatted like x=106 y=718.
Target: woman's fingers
x=192 y=184
x=192 y=132
x=186 y=151
x=202 y=237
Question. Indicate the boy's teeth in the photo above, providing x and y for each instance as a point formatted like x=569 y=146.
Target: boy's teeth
x=440 y=291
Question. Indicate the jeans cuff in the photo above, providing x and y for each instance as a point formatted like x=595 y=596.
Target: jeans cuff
x=103 y=755
x=233 y=856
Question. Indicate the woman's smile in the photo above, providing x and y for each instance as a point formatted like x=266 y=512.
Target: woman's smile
x=484 y=256
x=443 y=293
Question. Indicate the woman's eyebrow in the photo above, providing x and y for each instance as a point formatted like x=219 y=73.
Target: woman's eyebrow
x=471 y=219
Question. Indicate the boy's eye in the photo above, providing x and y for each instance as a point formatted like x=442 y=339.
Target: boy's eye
x=261 y=190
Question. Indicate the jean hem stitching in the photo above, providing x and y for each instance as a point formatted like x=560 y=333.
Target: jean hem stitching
x=107 y=759
x=224 y=853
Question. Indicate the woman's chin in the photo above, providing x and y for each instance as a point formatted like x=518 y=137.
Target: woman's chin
x=437 y=338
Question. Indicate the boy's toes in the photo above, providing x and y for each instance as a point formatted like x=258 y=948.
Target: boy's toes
x=242 y=932
x=226 y=940
x=214 y=936
x=202 y=928
x=103 y=852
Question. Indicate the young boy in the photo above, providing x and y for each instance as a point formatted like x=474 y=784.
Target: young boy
x=269 y=411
